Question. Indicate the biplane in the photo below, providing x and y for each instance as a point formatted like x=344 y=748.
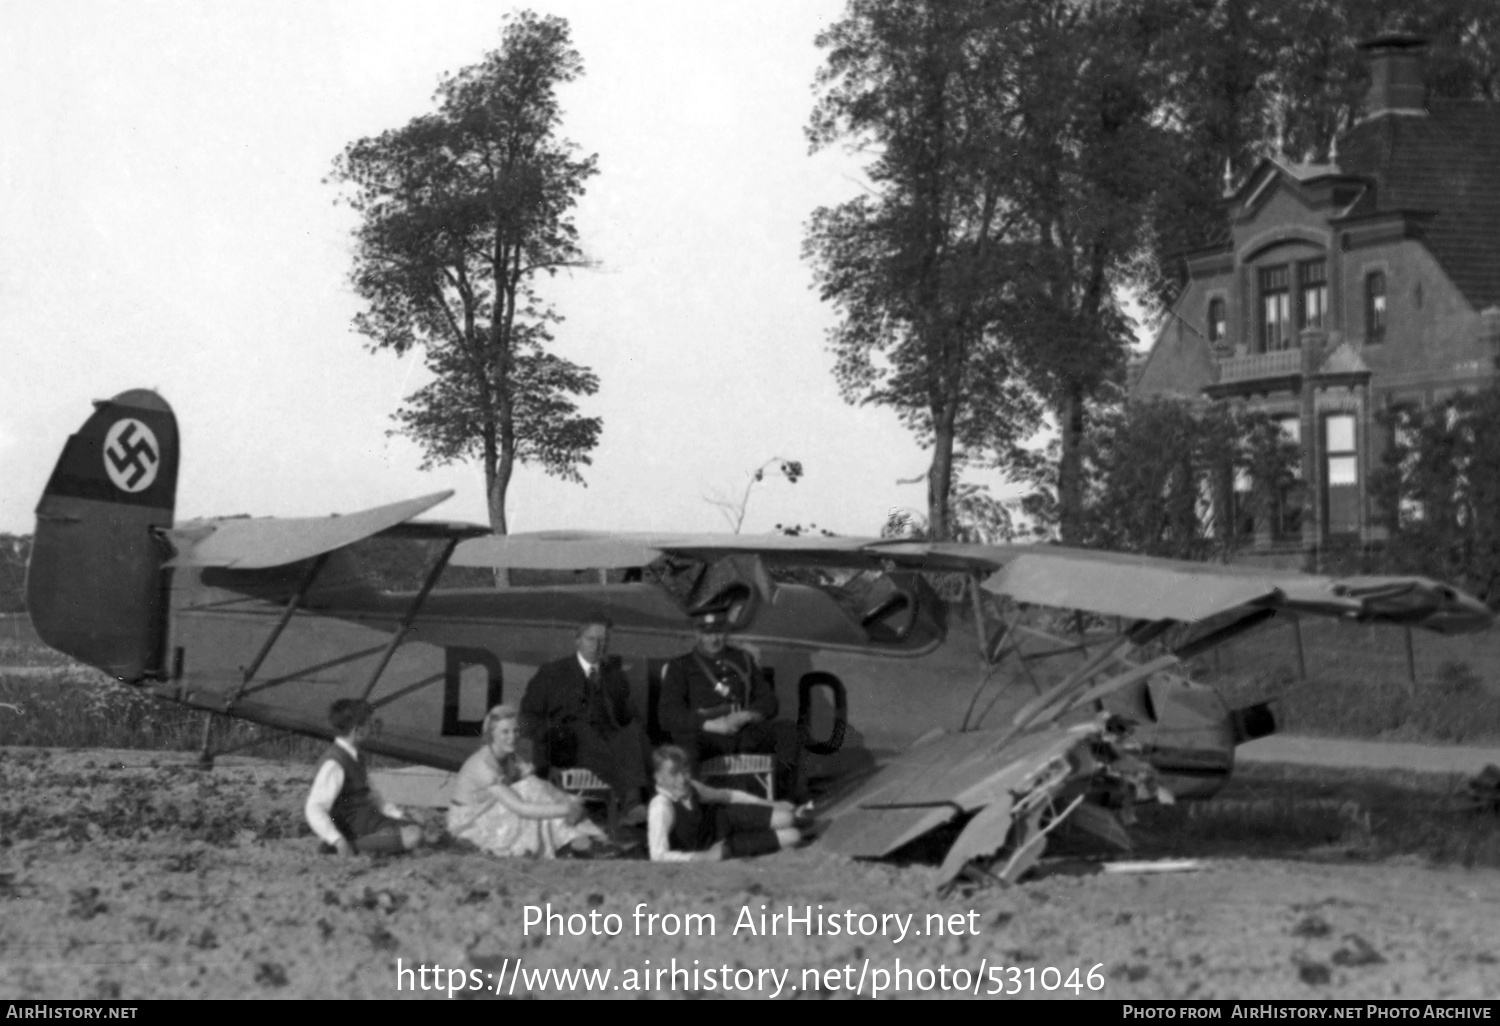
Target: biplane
x=983 y=725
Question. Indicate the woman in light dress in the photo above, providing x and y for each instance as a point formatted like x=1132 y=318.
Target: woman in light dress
x=500 y=804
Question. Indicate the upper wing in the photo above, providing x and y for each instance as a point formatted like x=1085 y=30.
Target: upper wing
x=1154 y=589
x=557 y=550
x=244 y=544
x=589 y=550
x=1108 y=583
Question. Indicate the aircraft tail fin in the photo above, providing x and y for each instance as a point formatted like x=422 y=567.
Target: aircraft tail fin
x=95 y=587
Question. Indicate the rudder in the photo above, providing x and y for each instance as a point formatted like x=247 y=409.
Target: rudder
x=94 y=588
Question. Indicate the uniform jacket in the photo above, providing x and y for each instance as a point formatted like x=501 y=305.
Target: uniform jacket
x=696 y=688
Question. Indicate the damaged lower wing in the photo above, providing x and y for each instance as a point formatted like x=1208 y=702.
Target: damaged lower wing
x=1012 y=790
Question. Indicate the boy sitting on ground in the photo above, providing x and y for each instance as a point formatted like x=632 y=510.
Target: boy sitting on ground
x=690 y=821
x=343 y=808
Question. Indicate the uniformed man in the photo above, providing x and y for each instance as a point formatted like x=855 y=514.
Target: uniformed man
x=715 y=700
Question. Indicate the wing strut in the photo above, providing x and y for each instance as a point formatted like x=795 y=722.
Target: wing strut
x=403 y=692
x=207 y=753
x=981 y=628
x=989 y=651
x=411 y=615
x=286 y=617
x=1034 y=708
x=1006 y=644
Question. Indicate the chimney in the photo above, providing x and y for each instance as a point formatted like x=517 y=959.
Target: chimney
x=1397 y=85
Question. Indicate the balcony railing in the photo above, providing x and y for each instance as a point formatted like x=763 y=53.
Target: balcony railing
x=1284 y=363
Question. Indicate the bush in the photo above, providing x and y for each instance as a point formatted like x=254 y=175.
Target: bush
x=1455 y=677
x=1438 y=491
x=74 y=706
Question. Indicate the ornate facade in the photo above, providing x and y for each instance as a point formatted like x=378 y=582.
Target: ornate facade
x=1343 y=289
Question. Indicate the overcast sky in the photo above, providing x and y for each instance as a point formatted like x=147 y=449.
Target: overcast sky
x=164 y=223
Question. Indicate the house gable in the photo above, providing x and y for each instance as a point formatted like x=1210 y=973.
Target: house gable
x=1179 y=362
x=1343 y=288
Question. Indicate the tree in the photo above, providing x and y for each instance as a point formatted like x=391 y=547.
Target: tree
x=733 y=509
x=1087 y=157
x=974 y=516
x=1162 y=478
x=1438 y=489
x=461 y=211
x=1018 y=152
x=918 y=268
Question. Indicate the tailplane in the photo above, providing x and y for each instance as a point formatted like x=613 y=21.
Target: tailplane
x=95 y=587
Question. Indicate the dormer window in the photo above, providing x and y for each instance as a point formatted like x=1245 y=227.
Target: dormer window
x=1312 y=293
x=1217 y=324
x=1375 y=307
x=1275 y=309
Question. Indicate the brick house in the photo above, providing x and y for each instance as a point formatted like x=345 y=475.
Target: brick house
x=1345 y=288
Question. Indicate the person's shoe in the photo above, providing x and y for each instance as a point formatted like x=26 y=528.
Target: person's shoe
x=606 y=850
x=569 y=851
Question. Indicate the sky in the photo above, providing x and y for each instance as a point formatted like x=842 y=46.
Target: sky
x=165 y=223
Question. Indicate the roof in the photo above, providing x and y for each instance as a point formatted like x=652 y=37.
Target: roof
x=1344 y=360
x=1308 y=172
x=1445 y=165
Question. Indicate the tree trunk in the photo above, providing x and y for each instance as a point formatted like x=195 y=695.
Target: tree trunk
x=496 y=486
x=940 y=477
x=1070 y=467
x=497 y=472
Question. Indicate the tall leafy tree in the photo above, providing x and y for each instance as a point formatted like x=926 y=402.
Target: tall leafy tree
x=1016 y=150
x=462 y=211
x=918 y=267
x=1087 y=155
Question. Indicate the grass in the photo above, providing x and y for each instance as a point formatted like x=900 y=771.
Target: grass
x=1273 y=811
x=1357 y=682
x=49 y=701
x=75 y=706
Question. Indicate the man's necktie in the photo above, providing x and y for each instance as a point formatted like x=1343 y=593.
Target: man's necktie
x=603 y=714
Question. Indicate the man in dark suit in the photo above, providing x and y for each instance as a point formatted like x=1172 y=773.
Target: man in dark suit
x=715 y=700
x=578 y=712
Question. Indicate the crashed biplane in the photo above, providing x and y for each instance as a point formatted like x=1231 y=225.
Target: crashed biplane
x=909 y=719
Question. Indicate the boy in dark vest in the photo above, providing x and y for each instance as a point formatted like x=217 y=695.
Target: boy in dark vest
x=342 y=808
x=689 y=821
